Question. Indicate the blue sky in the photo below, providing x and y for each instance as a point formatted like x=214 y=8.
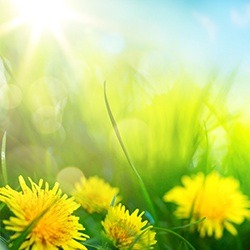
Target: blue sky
x=199 y=33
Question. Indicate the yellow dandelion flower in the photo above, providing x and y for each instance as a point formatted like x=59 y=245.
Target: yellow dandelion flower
x=95 y=195
x=214 y=197
x=55 y=228
x=128 y=231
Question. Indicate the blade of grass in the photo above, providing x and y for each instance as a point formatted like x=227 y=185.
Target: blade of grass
x=189 y=225
x=2 y=205
x=138 y=238
x=3 y=245
x=113 y=201
x=118 y=135
x=149 y=217
x=3 y=160
x=4 y=241
x=8 y=68
x=175 y=234
x=18 y=242
x=93 y=246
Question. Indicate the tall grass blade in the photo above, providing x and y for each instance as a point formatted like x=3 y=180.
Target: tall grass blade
x=118 y=135
x=189 y=225
x=177 y=235
x=131 y=247
x=3 y=160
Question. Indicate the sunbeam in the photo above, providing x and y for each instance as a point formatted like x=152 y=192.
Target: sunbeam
x=42 y=15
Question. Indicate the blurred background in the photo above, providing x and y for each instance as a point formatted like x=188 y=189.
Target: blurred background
x=177 y=76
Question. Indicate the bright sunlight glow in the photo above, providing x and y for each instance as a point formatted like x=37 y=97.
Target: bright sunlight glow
x=43 y=15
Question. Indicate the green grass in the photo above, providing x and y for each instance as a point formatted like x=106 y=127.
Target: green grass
x=167 y=136
x=62 y=120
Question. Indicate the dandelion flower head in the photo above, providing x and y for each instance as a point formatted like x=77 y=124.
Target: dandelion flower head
x=214 y=197
x=55 y=227
x=95 y=195
x=128 y=231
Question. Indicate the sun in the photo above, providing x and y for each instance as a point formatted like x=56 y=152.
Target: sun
x=41 y=19
x=49 y=22
x=42 y=15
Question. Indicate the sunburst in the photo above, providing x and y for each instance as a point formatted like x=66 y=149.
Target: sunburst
x=41 y=17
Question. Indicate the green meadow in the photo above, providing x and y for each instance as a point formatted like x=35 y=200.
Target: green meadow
x=69 y=110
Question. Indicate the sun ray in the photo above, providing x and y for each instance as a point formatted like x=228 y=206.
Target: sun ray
x=64 y=45
x=10 y=25
x=48 y=19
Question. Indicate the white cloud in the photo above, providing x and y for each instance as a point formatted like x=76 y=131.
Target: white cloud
x=208 y=24
x=241 y=18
